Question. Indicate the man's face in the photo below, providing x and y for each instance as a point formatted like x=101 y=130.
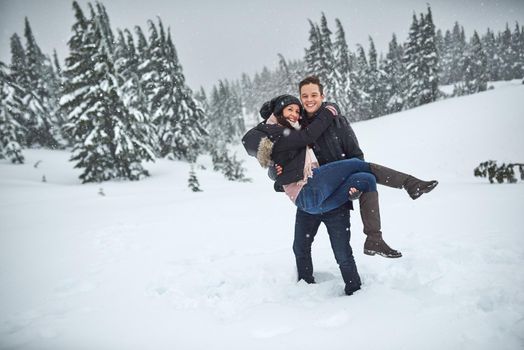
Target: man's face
x=311 y=98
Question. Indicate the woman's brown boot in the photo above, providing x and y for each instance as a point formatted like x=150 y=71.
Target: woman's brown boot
x=392 y=178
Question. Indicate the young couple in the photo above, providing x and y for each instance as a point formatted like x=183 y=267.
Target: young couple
x=314 y=157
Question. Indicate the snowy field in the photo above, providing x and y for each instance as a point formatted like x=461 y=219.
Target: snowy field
x=151 y=265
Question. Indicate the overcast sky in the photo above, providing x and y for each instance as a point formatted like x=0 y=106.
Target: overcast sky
x=222 y=39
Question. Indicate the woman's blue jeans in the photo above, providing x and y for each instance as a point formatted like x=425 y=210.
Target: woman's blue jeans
x=329 y=187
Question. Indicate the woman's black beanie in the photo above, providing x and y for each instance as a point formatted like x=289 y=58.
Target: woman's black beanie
x=277 y=104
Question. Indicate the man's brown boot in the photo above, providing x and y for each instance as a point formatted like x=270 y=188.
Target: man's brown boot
x=392 y=178
x=370 y=214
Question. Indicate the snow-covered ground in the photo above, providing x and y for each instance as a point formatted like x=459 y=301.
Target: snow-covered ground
x=151 y=265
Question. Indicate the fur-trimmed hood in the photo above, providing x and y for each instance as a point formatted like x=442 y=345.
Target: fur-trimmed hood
x=260 y=140
x=265 y=148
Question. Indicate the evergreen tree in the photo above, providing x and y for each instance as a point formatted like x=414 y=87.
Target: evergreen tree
x=287 y=79
x=413 y=78
x=176 y=114
x=376 y=80
x=41 y=96
x=490 y=48
x=360 y=100
x=132 y=95
x=106 y=143
x=429 y=57
x=201 y=97
x=192 y=181
x=327 y=74
x=342 y=87
x=475 y=69
x=394 y=71
x=439 y=43
x=249 y=96
x=422 y=62
x=517 y=48
x=314 y=52
x=458 y=49
x=506 y=54
x=227 y=124
x=18 y=79
x=11 y=132
x=446 y=59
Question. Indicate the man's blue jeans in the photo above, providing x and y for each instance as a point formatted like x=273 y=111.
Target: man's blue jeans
x=338 y=227
x=329 y=187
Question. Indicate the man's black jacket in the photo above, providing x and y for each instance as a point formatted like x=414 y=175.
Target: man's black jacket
x=337 y=142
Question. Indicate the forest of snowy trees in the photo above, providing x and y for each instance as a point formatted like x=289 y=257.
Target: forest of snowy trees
x=367 y=85
x=118 y=101
x=120 y=98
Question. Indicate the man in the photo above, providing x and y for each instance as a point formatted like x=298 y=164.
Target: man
x=339 y=142
x=336 y=143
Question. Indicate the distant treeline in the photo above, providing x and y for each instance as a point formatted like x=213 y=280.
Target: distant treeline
x=368 y=85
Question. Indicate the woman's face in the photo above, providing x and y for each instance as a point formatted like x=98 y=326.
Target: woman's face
x=291 y=113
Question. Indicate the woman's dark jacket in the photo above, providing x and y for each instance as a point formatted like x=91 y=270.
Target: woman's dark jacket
x=286 y=147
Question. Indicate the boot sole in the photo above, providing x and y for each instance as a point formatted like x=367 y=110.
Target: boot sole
x=373 y=252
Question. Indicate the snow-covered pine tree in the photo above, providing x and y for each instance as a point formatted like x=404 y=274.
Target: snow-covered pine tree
x=131 y=92
x=179 y=117
x=446 y=59
x=360 y=99
x=106 y=145
x=342 y=84
x=201 y=97
x=41 y=96
x=287 y=76
x=327 y=74
x=225 y=126
x=413 y=79
x=226 y=123
x=421 y=62
x=429 y=59
x=457 y=53
x=264 y=85
x=249 y=96
x=517 y=47
x=192 y=181
x=11 y=132
x=439 y=43
x=377 y=88
x=394 y=71
x=56 y=85
x=17 y=78
x=475 y=69
x=506 y=54
x=489 y=43
x=521 y=49
x=313 y=55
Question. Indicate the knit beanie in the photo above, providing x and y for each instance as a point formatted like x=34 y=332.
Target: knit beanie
x=277 y=105
x=283 y=101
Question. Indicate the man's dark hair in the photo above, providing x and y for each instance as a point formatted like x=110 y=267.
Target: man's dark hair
x=312 y=79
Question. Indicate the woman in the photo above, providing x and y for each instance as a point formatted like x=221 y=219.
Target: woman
x=313 y=188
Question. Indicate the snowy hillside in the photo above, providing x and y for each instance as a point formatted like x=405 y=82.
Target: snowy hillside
x=151 y=265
